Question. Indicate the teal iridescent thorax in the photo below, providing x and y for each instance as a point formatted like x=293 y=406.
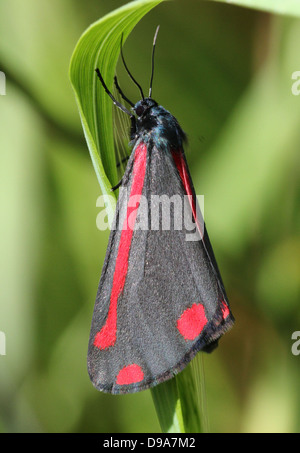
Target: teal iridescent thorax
x=156 y=126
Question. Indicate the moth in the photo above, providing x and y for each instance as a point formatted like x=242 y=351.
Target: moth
x=161 y=298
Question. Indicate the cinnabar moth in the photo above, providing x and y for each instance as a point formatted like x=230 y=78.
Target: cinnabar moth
x=160 y=298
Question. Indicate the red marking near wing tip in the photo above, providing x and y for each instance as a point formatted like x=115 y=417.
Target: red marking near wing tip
x=192 y=321
x=225 y=310
x=106 y=337
x=130 y=374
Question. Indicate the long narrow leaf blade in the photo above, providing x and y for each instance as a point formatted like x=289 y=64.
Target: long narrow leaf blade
x=99 y=47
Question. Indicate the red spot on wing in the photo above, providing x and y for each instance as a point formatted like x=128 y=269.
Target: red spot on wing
x=184 y=176
x=106 y=337
x=225 y=310
x=192 y=322
x=130 y=374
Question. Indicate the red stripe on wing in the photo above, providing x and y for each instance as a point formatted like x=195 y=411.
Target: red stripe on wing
x=106 y=337
x=184 y=176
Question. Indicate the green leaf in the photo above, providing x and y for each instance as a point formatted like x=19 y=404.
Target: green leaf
x=285 y=7
x=180 y=403
x=168 y=407
x=99 y=47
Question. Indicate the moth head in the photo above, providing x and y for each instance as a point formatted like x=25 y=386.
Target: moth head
x=144 y=106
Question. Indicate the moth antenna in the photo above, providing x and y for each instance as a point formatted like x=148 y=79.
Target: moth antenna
x=117 y=104
x=121 y=92
x=153 y=51
x=127 y=70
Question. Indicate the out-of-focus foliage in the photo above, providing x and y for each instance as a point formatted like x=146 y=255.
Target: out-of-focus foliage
x=289 y=7
x=226 y=74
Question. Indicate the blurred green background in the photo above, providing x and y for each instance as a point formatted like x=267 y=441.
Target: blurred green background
x=226 y=74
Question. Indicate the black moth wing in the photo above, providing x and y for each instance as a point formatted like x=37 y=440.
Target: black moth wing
x=166 y=276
